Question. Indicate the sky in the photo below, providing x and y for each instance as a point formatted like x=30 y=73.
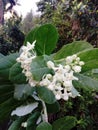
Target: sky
x=26 y=6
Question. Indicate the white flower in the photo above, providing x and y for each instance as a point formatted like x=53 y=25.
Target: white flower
x=67 y=67
x=74 y=56
x=18 y=59
x=25 y=59
x=69 y=60
x=32 y=82
x=65 y=96
x=70 y=94
x=51 y=86
x=68 y=83
x=59 y=69
x=77 y=68
x=24 y=124
x=61 y=80
x=49 y=76
x=58 y=87
x=29 y=45
x=28 y=74
x=44 y=82
x=77 y=59
x=81 y=63
x=69 y=75
x=58 y=95
x=50 y=64
x=24 y=48
x=58 y=77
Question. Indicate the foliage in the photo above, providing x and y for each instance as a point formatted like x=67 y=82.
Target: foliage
x=75 y=19
x=11 y=37
x=29 y=21
x=84 y=108
x=3 y=9
x=37 y=101
x=11 y=2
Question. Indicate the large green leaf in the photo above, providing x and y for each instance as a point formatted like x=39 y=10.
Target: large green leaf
x=39 y=67
x=22 y=91
x=90 y=58
x=1 y=56
x=31 y=122
x=6 y=63
x=94 y=74
x=53 y=108
x=71 y=49
x=46 y=38
x=86 y=82
x=65 y=123
x=6 y=89
x=44 y=126
x=16 y=75
x=46 y=95
x=7 y=107
x=16 y=125
x=24 y=109
x=95 y=71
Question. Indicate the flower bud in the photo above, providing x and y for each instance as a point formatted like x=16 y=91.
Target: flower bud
x=50 y=64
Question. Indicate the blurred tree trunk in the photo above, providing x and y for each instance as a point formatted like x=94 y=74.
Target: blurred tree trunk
x=1 y=12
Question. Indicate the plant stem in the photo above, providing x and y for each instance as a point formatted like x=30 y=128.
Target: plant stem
x=60 y=60
x=45 y=117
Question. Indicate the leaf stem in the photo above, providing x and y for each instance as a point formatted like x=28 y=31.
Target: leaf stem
x=60 y=60
x=45 y=117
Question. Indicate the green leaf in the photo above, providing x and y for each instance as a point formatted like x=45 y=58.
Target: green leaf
x=31 y=122
x=6 y=90
x=24 y=109
x=46 y=38
x=16 y=75
x=53 y=108
x=6 y=63
x=74 y=92
x=94 y=74
x=71 y=49
x=46 y=95
x=16 y=125
x=65 y=123
x=39 y=67
x=86 y=82
x=31 y=36
x=22 y=91
x=95 y=71
x=90 y=58
x=44 y=126
x=1 y=56
x=7 y=107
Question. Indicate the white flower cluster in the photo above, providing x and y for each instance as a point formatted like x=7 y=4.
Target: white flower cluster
x=25 y=59
x=61 y=82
